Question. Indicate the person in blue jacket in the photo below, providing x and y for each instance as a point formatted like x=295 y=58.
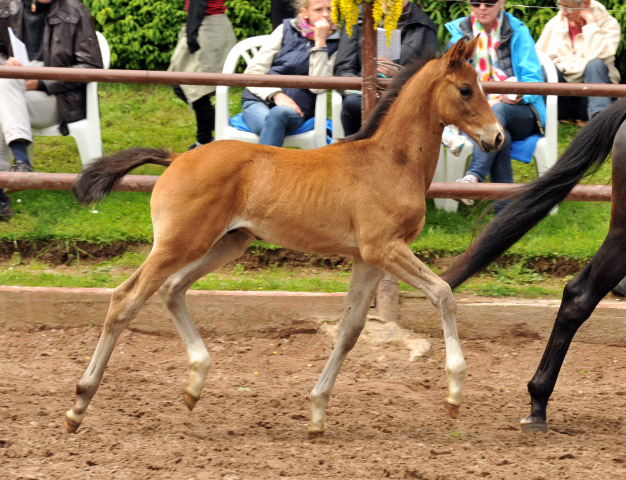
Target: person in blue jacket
x=506 y=51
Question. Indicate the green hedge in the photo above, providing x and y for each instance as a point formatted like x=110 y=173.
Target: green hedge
x=143 y=33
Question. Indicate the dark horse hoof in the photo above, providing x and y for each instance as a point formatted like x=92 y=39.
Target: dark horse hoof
x=534 y=425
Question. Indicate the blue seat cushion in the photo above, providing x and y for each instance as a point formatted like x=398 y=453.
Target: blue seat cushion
x=238 y=123
x=523 y=150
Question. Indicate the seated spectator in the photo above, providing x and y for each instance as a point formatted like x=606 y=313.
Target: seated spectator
x=582 y=41
x=203 y=45
x=506 y=50
x=305 y=45
x=42 y=103
x=418 y=38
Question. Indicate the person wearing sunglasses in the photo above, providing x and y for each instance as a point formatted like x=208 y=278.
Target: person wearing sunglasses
x=582 y=41
x=505 y=51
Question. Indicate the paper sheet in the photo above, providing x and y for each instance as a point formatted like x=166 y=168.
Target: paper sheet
x=392 y=52
x=19 y=49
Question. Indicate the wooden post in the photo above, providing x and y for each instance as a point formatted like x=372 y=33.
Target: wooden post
x=387 y=298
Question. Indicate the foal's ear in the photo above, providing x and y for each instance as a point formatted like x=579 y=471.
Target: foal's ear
x=461 y=50
x=471 y=46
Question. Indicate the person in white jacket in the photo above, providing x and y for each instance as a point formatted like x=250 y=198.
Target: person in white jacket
x=582 y=41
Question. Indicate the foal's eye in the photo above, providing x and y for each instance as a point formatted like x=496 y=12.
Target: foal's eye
x=465 y=91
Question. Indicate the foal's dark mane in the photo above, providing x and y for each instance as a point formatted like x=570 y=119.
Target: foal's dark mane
x=382 y=107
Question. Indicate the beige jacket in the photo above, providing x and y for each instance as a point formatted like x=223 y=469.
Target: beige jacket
x=597 y=40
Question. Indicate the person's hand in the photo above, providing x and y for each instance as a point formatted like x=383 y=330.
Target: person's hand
x=383 y=69
x=282 y=100
x=586 y=17
x=506 y=99
x=31 y=84
x=321 y=29
x=13 y=62
x=193 y=45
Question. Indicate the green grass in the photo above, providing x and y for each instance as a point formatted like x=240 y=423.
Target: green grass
x=50 y=224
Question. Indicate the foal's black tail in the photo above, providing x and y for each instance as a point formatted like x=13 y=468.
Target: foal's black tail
x=97 y=180
x=585 y=154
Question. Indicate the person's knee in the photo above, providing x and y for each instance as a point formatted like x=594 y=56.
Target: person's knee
x=280 y=114
x=596 y=69
x=500 y=110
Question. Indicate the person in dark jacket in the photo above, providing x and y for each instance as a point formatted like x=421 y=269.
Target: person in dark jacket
x=203 y=45
x=418 y=38
x=56 y=33
x=282 y=10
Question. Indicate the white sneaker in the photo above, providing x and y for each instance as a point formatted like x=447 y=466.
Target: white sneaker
x=467 y=179
x=453 y=139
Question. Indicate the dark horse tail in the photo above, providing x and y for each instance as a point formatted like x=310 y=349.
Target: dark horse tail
x=585 y=154
x=97 y=180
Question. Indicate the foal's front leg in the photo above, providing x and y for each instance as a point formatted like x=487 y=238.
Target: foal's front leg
x=399 y=261
x=364 y=280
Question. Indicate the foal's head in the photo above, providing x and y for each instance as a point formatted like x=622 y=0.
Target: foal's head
x=461 y=101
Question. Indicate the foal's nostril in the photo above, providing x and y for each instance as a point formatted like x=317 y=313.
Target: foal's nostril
x=499 y=140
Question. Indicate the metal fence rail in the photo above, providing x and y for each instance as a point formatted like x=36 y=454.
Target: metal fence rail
x=145 y=183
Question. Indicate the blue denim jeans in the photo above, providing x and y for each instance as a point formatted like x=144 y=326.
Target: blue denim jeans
x=518 y=122
x=270 y=124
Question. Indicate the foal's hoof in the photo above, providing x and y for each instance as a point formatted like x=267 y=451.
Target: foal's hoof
x=534 y=425
x=451 y=409
x=190 y=400
x=70 y=425
x=314 y=435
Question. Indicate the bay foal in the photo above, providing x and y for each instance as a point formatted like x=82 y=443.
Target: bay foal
x=364 y=198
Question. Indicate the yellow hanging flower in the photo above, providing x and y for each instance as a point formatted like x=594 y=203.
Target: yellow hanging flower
x=348 y=10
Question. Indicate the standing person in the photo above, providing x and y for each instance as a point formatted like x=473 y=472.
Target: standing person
x=203 y=45
x=305 y=45
x=56 y=33
x=582 y=41
x=506 y=50
x=418 y=39
x=281 y=10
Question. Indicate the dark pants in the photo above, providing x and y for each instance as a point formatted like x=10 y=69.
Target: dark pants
x=205 y=115
x=584 y=108
x=351 y=113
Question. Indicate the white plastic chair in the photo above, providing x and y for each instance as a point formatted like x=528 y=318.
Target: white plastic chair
x=86 y=132
x=545 y=155
x=336 y=106
x=246 y=49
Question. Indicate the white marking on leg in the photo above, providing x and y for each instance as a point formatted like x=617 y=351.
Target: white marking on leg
x=364 y=280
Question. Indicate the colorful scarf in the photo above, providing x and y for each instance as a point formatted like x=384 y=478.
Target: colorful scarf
x=308 y=31
x=486 y=54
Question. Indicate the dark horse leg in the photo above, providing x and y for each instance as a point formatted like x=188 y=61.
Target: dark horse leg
x=583 y=293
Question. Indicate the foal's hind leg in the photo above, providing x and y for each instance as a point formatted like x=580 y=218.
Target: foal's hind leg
x=230 y=246
x=398 y=260
x=126 y=301
x=580 y=297
x=362 y=285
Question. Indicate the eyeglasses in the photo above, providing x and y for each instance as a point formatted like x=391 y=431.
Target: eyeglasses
x=487 y=3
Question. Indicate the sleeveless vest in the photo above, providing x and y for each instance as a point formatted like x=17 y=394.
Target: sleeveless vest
x=293 y=59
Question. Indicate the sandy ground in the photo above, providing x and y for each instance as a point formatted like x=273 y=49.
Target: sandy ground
x=385 y=419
